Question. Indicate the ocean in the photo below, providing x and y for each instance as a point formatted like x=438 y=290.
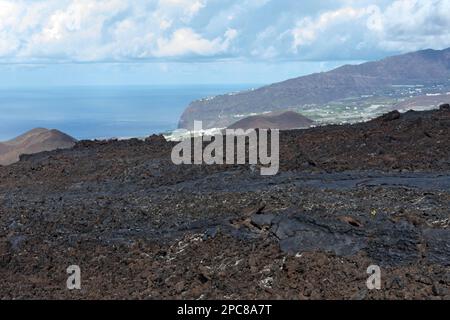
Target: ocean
x=101 y=112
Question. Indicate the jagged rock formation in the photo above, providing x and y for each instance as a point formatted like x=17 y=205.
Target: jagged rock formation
x=141 y=227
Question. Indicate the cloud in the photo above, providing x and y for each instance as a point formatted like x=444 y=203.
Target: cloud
x=185 y=8
x=101 y=30
x=410 y=24
x=307 y=29
x=349 y=32
x=186 y=42
x=53 y=31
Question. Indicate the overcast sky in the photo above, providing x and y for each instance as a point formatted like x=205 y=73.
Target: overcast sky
x=59 y=42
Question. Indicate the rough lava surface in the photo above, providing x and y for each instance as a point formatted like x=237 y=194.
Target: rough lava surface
x=139 y=227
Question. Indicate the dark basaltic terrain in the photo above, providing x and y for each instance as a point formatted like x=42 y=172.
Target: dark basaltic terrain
x=275 y=120
x=140 y=227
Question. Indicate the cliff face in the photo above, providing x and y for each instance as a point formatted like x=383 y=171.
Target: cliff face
x=34 y=141
x=422 y=67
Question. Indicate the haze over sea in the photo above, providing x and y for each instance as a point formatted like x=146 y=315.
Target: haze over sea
x=100 y=112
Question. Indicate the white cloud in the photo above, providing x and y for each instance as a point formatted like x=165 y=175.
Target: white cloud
x=186 y=42
x=403 y=25
x=187 y=8
x=8 y=44
x=411 y=24
x=88 y=30
x=307 y=29
x=118 y=30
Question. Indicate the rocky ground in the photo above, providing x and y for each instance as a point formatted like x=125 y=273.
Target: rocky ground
x=140 y=227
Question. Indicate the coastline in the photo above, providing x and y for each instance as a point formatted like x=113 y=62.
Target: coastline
x=212 y=232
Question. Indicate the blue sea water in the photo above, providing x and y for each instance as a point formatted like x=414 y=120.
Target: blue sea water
x=100 y=112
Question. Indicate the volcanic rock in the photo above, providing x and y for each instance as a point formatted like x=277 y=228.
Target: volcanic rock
x=275 y=120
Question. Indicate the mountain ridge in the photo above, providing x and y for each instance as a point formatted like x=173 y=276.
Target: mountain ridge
x=421 y=67
x=33 y=141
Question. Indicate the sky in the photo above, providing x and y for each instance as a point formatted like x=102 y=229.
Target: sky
x=140 y=42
